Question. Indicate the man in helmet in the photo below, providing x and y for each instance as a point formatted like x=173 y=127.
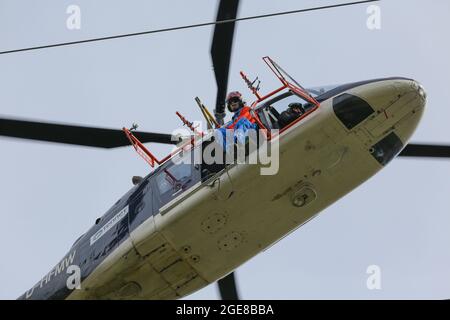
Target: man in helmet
x=295 y=110
x=241 y=121
x=242 y=113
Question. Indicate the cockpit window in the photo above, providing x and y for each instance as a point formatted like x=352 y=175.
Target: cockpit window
x=271 y=113
x=174 y=178
x=282 y=101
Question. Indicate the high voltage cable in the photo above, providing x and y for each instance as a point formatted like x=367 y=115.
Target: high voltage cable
x=186 y=27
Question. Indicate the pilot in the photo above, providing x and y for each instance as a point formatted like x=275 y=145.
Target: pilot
x=295 y=110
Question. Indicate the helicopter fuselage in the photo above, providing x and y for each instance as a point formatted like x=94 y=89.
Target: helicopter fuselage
x=163 y=244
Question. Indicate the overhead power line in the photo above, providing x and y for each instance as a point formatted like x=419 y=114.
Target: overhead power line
x=186 y=27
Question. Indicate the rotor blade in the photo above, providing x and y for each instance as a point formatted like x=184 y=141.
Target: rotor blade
x=221 y=46
x=426 y=150
x=75 y=135
x=227 y=287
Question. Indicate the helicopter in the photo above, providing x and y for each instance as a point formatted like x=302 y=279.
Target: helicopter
x=146 y=243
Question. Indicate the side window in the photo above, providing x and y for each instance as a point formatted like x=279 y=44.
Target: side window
x=351 y=110
x=174 y=179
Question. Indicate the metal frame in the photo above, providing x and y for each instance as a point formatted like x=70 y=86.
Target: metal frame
x=277 y=70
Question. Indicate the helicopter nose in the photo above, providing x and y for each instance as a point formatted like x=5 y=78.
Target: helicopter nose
x=398 y=107
x=382 y=114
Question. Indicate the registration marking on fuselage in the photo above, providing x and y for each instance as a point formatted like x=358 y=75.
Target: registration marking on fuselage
x=111 y=223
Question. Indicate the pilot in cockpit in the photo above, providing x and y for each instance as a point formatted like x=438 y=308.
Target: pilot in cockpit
x=294 y=110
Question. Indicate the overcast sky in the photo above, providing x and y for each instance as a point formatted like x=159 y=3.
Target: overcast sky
x=399 y=220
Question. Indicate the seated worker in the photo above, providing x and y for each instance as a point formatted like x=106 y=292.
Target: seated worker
x=295 y=110
x=242 y=119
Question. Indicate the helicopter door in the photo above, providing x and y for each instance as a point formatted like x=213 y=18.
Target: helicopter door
x=290 y=82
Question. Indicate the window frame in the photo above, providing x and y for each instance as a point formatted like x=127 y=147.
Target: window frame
x=260 y=110
x=164 y=198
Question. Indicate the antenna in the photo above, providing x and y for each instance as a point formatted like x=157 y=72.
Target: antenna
x=251 y=85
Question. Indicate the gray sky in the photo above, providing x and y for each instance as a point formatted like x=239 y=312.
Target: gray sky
x=398 y=220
